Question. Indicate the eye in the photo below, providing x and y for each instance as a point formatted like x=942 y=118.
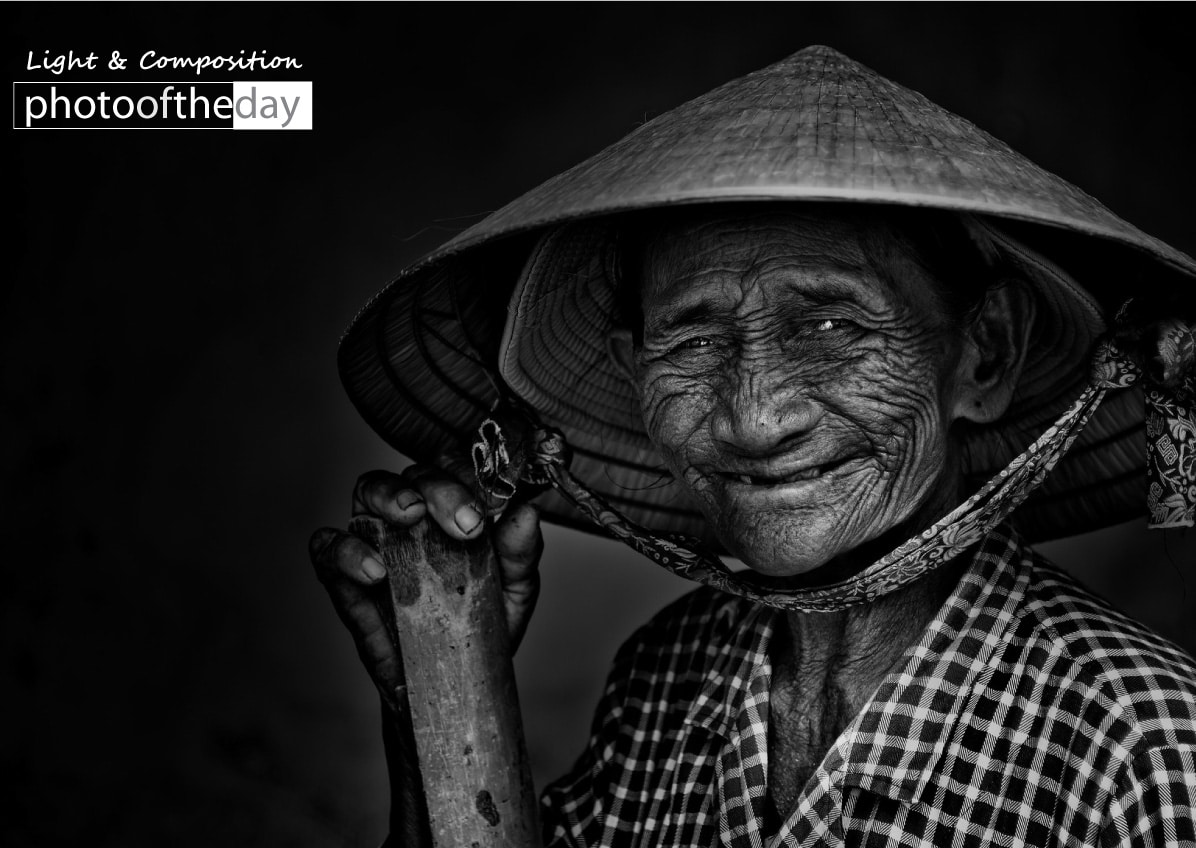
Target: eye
x=829 y=324
x=696 y=342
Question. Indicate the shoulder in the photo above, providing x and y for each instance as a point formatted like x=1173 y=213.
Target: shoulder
x=671 y=659
x=695 y=626
x=1145 y=682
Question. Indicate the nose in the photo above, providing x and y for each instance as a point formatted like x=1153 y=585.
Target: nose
x=761 y=415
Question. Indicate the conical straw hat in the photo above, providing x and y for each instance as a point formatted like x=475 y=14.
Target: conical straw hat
x=420 y=360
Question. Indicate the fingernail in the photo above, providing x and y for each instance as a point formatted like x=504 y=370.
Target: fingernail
x=467 y=517
x=407 y=499
x=373 y=569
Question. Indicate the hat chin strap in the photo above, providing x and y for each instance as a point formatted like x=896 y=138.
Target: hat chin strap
x=1171 y=429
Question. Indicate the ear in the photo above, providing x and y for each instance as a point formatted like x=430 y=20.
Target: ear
x=994 y=349
x=620 y=347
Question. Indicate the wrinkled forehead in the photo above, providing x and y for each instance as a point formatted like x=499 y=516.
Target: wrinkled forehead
x=836 y=253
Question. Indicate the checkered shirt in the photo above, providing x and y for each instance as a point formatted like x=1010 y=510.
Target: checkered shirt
x=1029 y=713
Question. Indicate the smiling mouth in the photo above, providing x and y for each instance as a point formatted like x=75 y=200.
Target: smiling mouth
x=811 y=473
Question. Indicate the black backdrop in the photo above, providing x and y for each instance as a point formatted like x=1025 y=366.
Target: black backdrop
x=172 y=425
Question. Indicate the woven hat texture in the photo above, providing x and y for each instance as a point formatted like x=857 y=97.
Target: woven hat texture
x=419 y=360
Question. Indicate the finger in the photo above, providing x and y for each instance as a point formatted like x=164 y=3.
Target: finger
x=338 y=555
x=358 y=610
x=449 y=502
x=518 y=544
x=389 y=496
x=456 y=464
x=460 y=465
x=338 y=558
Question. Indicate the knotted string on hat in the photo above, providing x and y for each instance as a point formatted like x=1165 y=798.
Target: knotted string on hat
x=1162 y=357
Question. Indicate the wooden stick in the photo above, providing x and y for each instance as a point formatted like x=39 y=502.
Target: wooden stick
x=453 y=638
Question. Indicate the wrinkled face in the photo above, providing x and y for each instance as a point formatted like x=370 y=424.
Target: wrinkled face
x=797 y=375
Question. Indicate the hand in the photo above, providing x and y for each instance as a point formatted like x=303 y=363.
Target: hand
x=351 y=570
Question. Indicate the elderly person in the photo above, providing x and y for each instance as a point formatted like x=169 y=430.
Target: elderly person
x=851 y=395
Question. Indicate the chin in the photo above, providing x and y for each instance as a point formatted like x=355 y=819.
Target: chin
x=781 y=551
x=791 y=530
x=796 y=544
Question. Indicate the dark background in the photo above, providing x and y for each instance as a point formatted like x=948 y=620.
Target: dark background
x=171 y=424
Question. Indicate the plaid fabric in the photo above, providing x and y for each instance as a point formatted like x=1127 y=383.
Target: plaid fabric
x=1030 y=713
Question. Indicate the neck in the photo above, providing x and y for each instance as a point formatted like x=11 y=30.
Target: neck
x=851 y=650
x=825 y=667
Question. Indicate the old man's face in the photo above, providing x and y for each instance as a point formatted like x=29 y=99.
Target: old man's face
x=798 y=373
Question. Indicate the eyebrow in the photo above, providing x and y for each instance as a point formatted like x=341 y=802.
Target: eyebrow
x=829 y=290
x=822 y=292
x=693 y=313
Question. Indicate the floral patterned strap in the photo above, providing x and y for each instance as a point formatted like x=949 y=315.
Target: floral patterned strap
x=1171 y=456
x=1162 y=355
x=957 y=531
x=1171 y=427
x=1172 y=490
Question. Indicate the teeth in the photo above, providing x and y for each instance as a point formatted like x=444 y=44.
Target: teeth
x=807 y=474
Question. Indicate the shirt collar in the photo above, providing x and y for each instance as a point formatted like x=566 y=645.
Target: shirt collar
x=894 y=744
x=741 y=659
